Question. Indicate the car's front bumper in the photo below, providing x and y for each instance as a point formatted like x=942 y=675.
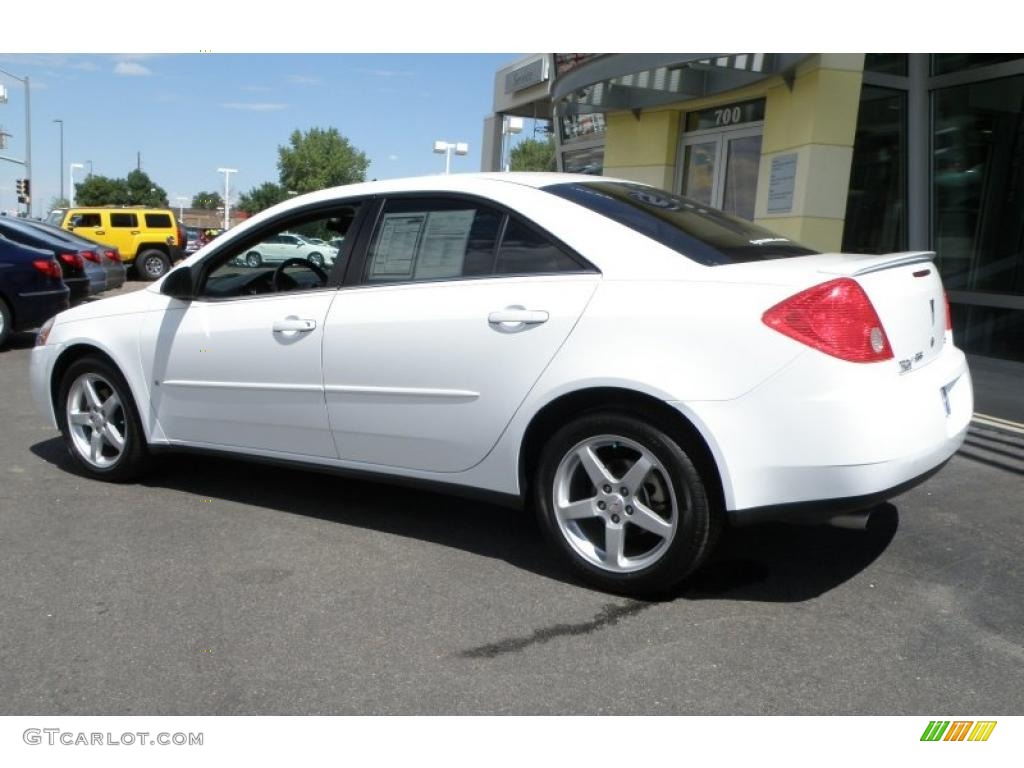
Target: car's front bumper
x=823 y=437
x=40 y=374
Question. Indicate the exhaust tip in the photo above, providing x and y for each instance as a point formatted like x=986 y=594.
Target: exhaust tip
x=852 y=521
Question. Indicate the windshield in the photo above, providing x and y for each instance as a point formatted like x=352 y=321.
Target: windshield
x=697 y=231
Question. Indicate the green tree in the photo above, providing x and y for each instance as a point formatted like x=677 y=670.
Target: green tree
x=209 y=201
x=262 y=197
x=320 y=158
x=101 y=190
x=135 y=189
x=533 y=155
x=142 y=190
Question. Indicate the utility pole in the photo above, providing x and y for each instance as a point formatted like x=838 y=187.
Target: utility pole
x=227 y=194
x=138 y=161
x=61 y=174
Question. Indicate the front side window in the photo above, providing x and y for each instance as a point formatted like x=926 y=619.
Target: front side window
x=85 y=220
x=271 y=262
x=432 y=239
x=124 y=220
x=158 y=221
x=691 y=228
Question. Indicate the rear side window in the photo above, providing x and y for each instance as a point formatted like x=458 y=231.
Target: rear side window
x=697 y=231
x=124 y=220
x=432 y=239
x=86 y=220
x=158 y=221
x=527 y=252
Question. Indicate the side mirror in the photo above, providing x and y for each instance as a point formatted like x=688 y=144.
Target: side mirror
x=178 y=284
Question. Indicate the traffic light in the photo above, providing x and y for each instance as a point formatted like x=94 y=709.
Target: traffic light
x=24 y=191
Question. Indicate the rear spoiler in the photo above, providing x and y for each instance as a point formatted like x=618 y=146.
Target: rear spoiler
x=854 y=266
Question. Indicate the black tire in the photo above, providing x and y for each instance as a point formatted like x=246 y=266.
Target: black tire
x=135 y=458
x=253 y=259
x=316 y=258
x=697 y=527
x=6 y=323
x=151 y=265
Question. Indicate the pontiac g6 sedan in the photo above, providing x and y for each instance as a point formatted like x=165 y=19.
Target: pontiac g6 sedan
x=638 y=368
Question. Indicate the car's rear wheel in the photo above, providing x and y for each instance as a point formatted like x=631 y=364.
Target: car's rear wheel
x=99 y=421
x=253 y=259
x=317 y=258
x=625 y=504
x=152 y=264
x=5 y=322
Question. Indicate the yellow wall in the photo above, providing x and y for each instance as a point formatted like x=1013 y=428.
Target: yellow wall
x=814 y=116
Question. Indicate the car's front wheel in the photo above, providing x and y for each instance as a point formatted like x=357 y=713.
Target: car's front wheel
x=625 y=504
x=99 y=421
x=317 y=258
x=253 y=259
x=152 y=264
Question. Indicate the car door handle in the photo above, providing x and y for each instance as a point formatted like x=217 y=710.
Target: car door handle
x=101 y=232
x=136 y=231
x=294 y=324
x=517 y=315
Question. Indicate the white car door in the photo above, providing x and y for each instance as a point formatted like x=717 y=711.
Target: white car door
x=428 y=358
x=240 y=366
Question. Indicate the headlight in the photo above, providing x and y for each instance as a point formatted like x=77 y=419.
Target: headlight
x=44 y=332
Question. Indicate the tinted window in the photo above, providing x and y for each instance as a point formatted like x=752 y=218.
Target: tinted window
x=124 y=220
x=158 y=221
x=695 y=230
x=86 y=220
x=524 y=252
x=432 y=240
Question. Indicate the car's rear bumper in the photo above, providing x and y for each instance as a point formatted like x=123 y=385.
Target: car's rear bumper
x=829 y=437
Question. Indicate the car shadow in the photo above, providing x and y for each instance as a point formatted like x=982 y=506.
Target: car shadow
x=770 y=562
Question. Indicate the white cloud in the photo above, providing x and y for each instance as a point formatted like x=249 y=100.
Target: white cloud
x=132 y=68
x=254 y=106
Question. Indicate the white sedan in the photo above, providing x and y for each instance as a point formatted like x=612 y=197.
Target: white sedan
x=639 y=369
x=282 y=246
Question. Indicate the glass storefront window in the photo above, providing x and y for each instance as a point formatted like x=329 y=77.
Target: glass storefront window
x=978 y=204
x=584 y=161
x=886 y=63
x=590 y=126
x=876 y=207
x=943 y=63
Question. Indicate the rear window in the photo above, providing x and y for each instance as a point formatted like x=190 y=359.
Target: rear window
x=158 y=221
x=688 y=227
x=124 y=220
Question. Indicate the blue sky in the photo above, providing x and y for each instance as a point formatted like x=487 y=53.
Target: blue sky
x=189 y=114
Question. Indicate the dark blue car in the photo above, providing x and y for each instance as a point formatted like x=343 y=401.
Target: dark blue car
x=80 y=282
x=31 y=288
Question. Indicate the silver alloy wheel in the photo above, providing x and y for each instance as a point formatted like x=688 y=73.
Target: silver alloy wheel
x=253 y=259
x=154 y=266
x=96 y=420
x=317 y=259
x=614 y=503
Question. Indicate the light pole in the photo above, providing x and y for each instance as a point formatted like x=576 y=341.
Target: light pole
x=27 y=162
x=509 y=127
x=71 y=183
x=181 y=207
x=445 y=148
x=227 y=191
x=61 y=174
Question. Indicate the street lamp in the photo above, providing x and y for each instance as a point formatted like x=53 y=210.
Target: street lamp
x=227 y=191
x=27 y=162
x=61 y=167
x=181 y=207
x=71 y=183
x=445 y=148
x=509 y=127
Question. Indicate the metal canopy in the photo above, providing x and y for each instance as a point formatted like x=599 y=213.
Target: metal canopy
x=636 y=81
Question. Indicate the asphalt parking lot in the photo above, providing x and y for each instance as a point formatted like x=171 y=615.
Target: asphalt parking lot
x=219 y=587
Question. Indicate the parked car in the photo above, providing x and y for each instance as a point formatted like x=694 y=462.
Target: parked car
x=31 y=288
x=83 y=277
x=637 y=368
x=288 y=245
x=149 y=239
x=107 y=256
x=193 y=240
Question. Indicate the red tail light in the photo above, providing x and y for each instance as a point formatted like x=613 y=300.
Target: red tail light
x=48 y=267
x=113 y=255
x=72 y=260
x=949 y=315
x=836 y=318
x=91 y=256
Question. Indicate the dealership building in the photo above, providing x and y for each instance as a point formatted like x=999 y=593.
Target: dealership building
x=865 y=153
